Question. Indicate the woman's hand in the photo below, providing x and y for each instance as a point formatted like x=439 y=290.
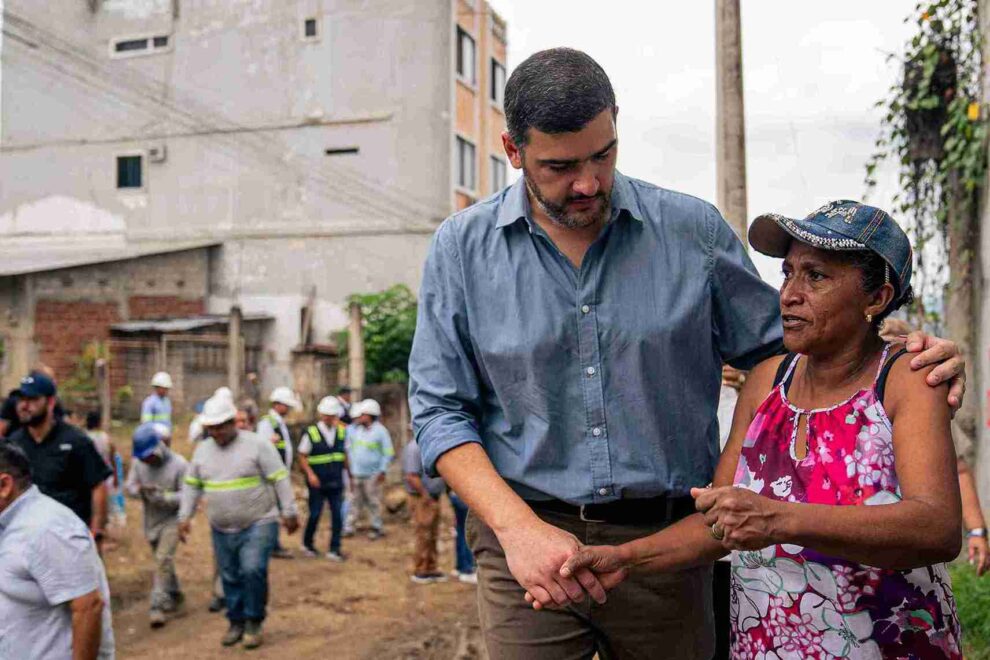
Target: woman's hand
x=738 y=518
x=605 y=561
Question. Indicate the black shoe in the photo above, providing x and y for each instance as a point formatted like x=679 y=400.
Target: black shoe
x=282 y=553
x=217 y=604
x=234 y=634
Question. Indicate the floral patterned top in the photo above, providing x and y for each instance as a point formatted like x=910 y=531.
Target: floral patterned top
x=793 y=602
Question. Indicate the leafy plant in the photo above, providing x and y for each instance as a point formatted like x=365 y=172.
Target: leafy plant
x=388 y=325
x=973 y=603
x=935 y=130
x=82 y=380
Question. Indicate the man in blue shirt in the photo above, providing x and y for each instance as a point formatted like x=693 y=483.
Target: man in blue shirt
x=157 y=407
x=54 y=597
x=564 y=376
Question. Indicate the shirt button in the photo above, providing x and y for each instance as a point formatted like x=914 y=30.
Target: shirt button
x=590 y=371
x=585 y=309
x=597 y=432
x=603 y=491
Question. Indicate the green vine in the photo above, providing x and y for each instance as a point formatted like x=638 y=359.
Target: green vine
x=935 y=129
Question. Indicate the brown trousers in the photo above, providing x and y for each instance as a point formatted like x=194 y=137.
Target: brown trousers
x=662 y=615
x=426 y=518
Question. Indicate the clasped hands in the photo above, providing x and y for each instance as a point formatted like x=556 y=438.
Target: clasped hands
x=556 y=570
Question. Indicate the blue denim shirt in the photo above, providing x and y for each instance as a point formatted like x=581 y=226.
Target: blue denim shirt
x=592 y=384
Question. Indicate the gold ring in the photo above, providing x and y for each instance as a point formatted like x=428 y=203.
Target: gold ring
x=717 y=533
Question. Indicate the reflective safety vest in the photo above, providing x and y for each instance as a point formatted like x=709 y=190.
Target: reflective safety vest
x=277 y=427
x=327 y=459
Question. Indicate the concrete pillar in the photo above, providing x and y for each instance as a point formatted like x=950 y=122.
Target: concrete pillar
x=730 y=130
x=355 y=353
x=980 y=389
x=103 y=392
x=235 y=352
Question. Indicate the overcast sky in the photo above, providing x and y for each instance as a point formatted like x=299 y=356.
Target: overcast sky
x=812 y=72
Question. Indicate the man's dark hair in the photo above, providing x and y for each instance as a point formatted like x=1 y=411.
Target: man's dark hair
x=14 y=462
x=94 y=418
x=558 y=90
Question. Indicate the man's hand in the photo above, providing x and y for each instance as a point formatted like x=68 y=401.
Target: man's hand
x=743 y=519
x=605 y=561
x=944 y=353
x=535 y=551
x=291 y=524
x=313 y=480
x=380 y=478
x=979 y=553
x=184 y=528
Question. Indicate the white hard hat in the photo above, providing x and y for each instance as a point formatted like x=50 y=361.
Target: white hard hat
x=329 y=405
x=218 y=410
x=162 y=379
x=286 y=396
x=224 y=393
x=368 y=407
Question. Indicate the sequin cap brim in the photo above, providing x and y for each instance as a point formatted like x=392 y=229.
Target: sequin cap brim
x=771 y=234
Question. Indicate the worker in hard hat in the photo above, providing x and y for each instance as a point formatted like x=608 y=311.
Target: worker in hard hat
x=323 y=459
x=247 y=490
x=369 y=454
x=157 y=407
x=156 y=478
x=272 y=427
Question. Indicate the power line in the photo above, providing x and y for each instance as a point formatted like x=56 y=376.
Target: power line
x=79 y=58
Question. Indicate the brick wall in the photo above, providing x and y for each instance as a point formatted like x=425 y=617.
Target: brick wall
x=161 y=307
x=63 y=328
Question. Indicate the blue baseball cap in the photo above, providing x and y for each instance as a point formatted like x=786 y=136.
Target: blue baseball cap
x=842 y=225
x=35 y=385
x=146 y=439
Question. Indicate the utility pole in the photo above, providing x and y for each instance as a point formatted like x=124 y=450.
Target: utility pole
x=235 y=352
x=355 y=352
x=730 y=127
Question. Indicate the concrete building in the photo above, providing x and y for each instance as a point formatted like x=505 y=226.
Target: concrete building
x=317 y=143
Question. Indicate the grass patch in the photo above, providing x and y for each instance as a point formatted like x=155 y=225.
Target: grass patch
x=973 y=600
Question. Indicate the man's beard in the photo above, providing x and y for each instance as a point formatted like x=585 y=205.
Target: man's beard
x=558 y=212
x=34 y=421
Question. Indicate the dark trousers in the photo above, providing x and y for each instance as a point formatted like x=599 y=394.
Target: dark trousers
x=465 y=559
x=243 y=557
x=721 y=585
x=661 y=615
x=334 y=496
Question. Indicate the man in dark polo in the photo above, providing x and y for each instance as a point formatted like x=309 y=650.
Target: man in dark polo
x=565 y=373
x=64 y=463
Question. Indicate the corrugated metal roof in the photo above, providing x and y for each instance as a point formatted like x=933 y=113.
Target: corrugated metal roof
x=182 y=325
x=39 y=257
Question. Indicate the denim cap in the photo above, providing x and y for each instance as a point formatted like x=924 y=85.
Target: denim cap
x=841 y=225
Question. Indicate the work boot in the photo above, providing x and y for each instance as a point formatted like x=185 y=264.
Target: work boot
x=217 y=604
x=282 y=553
x=156 y=618
x=234 y=634
x=252 y=635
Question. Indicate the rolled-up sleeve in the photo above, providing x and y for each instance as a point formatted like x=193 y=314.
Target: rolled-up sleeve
x=746 y=310
x=444 y=389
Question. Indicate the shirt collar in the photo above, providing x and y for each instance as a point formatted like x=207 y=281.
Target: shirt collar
x=515 y=205
x=7 y=516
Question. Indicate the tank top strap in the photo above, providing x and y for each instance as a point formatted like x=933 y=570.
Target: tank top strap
x=883 y=364
x=784 y=377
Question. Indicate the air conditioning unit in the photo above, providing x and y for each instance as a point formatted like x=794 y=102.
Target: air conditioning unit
x=156 y=154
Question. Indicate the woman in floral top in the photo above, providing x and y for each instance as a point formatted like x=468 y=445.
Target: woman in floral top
x=837 y=491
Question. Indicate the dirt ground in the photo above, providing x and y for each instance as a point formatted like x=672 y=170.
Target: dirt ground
x=364 y=608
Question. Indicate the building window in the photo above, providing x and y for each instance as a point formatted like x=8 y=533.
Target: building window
x=139 y=45
x=498 y=173
x=310 y=28
x=129 y=172
x=465 y=57
x=497 y=92
x=465 y=164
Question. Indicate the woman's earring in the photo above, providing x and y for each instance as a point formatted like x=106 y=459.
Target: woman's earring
x=869 y=318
